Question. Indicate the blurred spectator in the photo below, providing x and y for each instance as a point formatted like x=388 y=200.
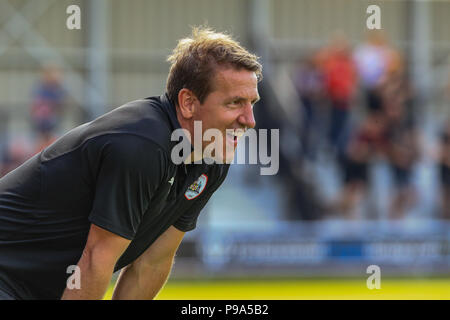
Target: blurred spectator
x=372 y=60
x=302 y=201
x=401 y=136
x=16 y=152
x=444 y=168
x=308 y=81
x=47 y=103
x=403 y=154
x=355 y=162
x=340 y=83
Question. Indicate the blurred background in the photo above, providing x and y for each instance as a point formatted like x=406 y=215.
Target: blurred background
x=364 y=163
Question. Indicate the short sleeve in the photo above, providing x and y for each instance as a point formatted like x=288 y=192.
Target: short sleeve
x=188 y=220
x=130 y=171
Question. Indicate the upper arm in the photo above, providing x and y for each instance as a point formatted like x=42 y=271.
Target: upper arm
x=188 y=220
x=163 y=249
x=125 y=183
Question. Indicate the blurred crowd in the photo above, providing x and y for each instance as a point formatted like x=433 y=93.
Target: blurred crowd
x=358 y=106
x=46 y=109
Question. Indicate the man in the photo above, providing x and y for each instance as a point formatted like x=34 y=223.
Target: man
x=107 y=196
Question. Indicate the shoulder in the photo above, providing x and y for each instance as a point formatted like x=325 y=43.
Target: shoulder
x=130 y=126
x=144 y=118
x=128 y=158
x=129 y=150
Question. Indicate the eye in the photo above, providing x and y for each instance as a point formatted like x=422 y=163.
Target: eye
x=234 y=103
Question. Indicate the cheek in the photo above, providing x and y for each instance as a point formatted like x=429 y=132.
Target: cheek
x=221 y=122
x=229 y=118
x=218 y=117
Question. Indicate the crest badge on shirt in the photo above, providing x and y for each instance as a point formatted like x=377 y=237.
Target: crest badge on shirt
x=197 y=187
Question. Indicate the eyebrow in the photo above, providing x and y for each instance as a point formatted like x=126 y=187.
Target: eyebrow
x=240 y=99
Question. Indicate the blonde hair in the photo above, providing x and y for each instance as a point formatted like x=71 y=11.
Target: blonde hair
x=195 y=60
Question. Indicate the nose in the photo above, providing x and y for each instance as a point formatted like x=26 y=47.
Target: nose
x=246 y=118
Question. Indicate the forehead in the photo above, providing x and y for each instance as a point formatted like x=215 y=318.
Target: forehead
x=236 y=82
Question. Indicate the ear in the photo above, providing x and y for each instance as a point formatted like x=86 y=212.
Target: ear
x=187 y=102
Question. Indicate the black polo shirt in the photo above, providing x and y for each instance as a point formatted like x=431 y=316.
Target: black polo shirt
x=115 y=172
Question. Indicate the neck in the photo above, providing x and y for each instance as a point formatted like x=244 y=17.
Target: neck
x=187 y=125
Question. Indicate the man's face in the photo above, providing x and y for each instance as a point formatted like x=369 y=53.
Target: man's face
x=228 y=108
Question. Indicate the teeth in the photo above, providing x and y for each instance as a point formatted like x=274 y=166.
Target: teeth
x=238 y=133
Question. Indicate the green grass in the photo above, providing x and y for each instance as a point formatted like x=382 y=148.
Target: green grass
x=322 y=289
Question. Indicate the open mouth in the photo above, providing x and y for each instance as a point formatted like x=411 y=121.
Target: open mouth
x=234 y=134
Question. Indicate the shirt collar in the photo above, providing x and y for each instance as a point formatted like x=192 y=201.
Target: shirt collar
x=170 y=109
